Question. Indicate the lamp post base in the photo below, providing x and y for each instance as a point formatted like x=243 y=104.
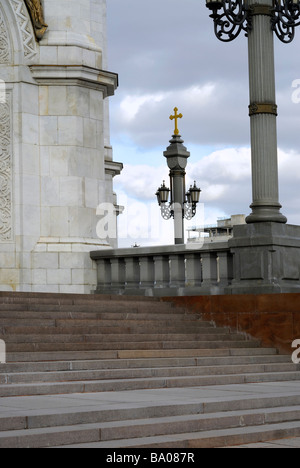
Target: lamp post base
x=266 y=258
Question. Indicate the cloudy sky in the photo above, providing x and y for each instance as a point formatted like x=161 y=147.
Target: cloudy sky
x=166 y=55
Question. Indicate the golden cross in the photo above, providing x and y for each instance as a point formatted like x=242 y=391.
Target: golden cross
x=176 y=117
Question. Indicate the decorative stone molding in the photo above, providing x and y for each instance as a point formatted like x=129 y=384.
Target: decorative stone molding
x=5 y=170
x=5 y=51
x=25 y=28
x=73 y=75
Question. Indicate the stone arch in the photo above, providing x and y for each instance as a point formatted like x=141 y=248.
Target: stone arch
x=19 y=31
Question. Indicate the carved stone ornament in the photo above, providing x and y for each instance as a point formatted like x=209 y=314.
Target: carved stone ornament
x=4 y=43
x=36 y=12
x=5 y=170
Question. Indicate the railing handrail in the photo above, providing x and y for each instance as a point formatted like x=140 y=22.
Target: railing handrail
x=160 y=250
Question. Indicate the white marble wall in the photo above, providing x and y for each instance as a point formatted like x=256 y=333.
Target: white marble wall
x=59 y=144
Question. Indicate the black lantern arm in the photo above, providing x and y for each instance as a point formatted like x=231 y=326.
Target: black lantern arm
x=233 y=16
x=237 y=12
x=230 y=18
x=285 y=18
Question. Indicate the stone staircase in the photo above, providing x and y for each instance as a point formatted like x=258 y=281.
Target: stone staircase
x=82 y=347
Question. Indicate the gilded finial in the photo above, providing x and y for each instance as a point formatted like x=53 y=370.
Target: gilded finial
x=176 y=117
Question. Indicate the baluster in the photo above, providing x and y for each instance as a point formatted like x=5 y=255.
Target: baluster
x=161 y=271
x=193 y=270
x=132 y=272
x=117 y=274
x=146 y=272
x=209 y=269
x=104 y=275
x=177 y=271
x=225 y=268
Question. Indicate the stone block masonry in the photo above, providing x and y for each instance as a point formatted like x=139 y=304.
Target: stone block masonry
x=64 y=267
x=56 y=163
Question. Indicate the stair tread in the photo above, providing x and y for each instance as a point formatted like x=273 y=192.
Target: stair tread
x=54 y=366
x=163 y=378
x=203 y=403
x=143 y=372
x=123 y=337
x=136 y=354
x=208 y=438
x=155 y=420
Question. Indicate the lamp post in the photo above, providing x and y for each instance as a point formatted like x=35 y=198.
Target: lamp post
x=259 y=19
x=182 y=204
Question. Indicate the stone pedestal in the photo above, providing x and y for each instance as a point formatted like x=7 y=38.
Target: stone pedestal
x=266 y=259
x=56 y=162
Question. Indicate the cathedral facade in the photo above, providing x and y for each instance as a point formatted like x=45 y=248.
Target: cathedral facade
x=56 y=163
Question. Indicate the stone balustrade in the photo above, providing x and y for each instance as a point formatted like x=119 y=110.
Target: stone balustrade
x=165 y=270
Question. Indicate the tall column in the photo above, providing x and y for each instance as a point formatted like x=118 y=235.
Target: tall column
x=263 y=113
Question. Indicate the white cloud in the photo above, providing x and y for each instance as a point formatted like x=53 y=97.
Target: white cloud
x=141 y=182
x=197 y=94
x=131 y=105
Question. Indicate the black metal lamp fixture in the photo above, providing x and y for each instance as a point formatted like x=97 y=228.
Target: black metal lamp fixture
x=233 y=16
x=193 y=195
x=163 y=194
x=189 y=202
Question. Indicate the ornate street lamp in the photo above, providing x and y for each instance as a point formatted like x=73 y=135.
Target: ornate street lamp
x=259 y=19
x=182 y=204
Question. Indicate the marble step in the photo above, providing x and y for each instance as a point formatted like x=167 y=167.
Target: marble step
x=43 y=418
x=145 y=373
x=125 y=328
x=106 y=314
x=92 y=386
x=220 y=335
x=199 y=428
x=142 y=345
x=146 y=321
x=52 y=366
x=136 y=354
x=206 y=439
